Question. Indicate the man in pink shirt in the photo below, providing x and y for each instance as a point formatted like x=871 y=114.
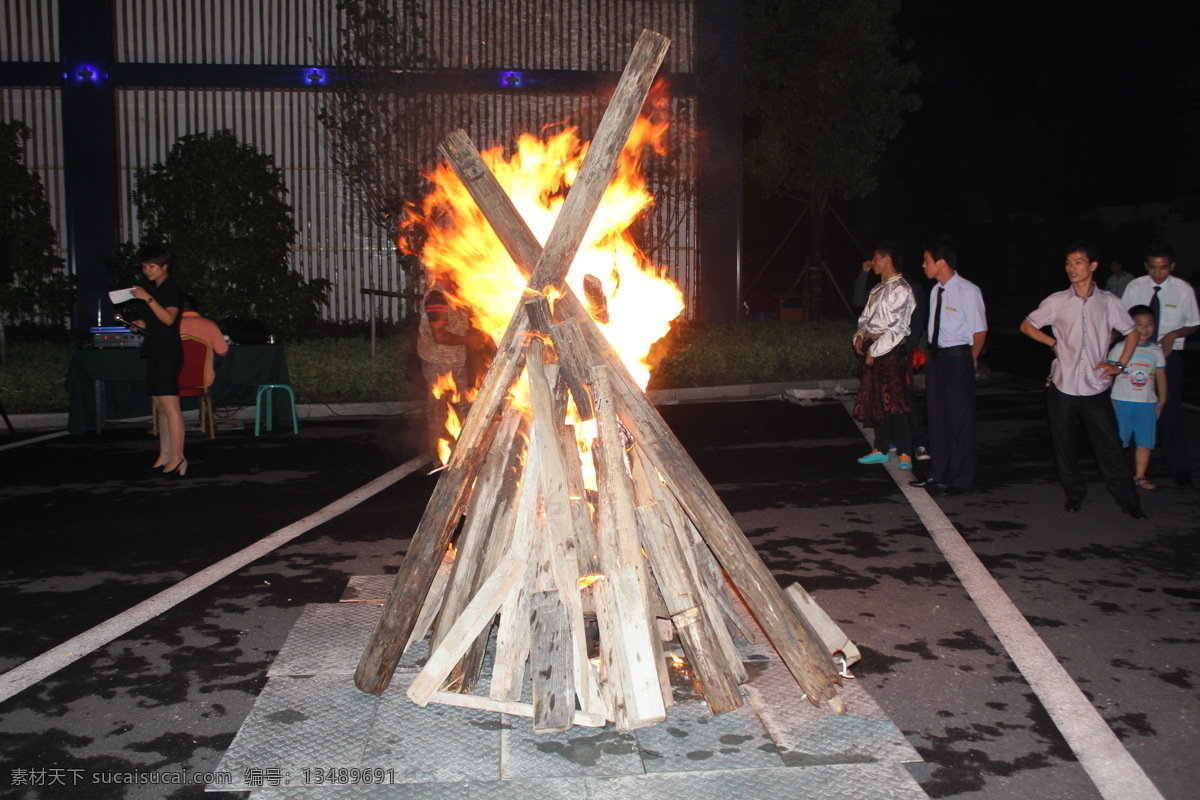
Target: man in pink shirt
x=192 y=324
x=1082 y=318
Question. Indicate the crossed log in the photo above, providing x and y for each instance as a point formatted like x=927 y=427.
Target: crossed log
x=668 y=488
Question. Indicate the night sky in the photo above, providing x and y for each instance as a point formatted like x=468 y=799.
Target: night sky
x=1043 y=109
x=1035 y=106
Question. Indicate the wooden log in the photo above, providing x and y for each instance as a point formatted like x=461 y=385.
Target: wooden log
x=399 y=616
x=695 y=628
x=561 y=525
x=797 y=645
x=572 y=352
x=420 y=565
x=568 y=346
x=811 y=667
x=473 y=539
x=711 y=587
x=479 y=612
x=581 y=718
x=832 y=635
x=550 y=663
x=633 y=643
x=484 y=541
x=581 y=515
x=433 y=601
x=629 y=648
x=512 y=641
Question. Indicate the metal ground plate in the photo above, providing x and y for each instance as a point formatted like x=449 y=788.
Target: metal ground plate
x=311 y=731
x=835 y=782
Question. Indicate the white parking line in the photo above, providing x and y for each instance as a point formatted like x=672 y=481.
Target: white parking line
x=1110 y=766
x=70 y=651
x=34 y=440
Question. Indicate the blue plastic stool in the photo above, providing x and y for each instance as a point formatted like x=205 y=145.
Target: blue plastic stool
x=258 y=407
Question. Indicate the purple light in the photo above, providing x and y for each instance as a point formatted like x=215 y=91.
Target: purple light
x=315 y=76
x=87 y=73
x=512 y=80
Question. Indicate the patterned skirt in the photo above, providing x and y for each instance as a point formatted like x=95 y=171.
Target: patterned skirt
x=882 y=387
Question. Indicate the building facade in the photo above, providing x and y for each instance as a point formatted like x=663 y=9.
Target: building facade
x=108 y=86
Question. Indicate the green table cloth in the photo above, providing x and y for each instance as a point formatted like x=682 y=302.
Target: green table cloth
x=121 y=373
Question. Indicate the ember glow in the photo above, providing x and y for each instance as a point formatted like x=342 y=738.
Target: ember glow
x=461 y=249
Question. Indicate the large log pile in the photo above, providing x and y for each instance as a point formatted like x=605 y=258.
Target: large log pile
x=650 y=561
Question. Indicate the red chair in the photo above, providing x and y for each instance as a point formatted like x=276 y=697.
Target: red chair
x=197 y=363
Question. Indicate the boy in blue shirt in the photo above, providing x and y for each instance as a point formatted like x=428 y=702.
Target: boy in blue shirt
x=1139 y=393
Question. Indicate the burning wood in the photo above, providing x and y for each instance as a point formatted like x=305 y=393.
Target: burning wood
x=530 y=543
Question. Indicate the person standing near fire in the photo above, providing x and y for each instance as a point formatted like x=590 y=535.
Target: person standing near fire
x=1082 y=318
x=1172 y=301
x=163 y=350
x=444 y=339
x=957 y=332
x=882 y=401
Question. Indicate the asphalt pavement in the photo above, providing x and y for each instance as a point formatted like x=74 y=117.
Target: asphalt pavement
x=90 y=532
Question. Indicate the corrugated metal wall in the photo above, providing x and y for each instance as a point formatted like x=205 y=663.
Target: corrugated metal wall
x=29 y=31
x=593 y=35
x=335 y=240
x=226 y=31
x=40 y=109
x=551 y=34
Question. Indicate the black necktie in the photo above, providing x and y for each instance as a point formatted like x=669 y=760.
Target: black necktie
x=937 y=319
x=1154 y=307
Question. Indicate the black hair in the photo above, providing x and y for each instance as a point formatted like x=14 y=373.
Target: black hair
x=154 y=254
x=892 y=251
x=1161 y=250
x=943 y=249
x=1136 y=310
x=187 y=302
x=1086 y=248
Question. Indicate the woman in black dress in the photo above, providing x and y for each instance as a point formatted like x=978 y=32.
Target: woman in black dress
x=163 y=351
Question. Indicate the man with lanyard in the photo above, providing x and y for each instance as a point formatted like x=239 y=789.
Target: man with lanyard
x=1173 y=303
x=1082 y=318
x=957 y=329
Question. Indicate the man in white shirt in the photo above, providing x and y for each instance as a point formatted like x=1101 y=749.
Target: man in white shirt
x=957 y=328
x=1082 y=318
x=1173 y=303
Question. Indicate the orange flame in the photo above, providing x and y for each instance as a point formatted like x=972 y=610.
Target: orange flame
x=465 y=256
x=444 y=388
x=461 y=250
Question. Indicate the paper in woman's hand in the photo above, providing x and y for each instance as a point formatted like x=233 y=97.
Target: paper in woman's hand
x=118 y=296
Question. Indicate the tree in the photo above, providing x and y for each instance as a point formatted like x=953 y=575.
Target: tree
x=825 y=92
x=219 y=206
x=373 y=113
x=35 y=286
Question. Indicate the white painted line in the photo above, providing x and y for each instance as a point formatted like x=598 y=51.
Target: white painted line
x=1110 y=766
x=34 y=440
x=34 y=670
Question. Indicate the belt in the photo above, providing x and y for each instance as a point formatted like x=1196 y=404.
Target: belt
x=942 y=351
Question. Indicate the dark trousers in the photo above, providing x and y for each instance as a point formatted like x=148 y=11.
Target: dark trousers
x=950 y=401
x=1070 y=416
x=894 y=430
x=916 y=418
x=1172 y=433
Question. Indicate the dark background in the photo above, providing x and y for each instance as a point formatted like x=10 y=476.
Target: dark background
x=1032 y=116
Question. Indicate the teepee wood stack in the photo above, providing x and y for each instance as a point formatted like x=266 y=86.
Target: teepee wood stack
x=652 y=559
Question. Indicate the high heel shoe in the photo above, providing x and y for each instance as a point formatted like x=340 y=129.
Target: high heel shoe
x=159 y=464
x=179 y=470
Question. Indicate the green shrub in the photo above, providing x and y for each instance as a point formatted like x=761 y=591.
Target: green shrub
x=330 y=370
x=341 y=371
x=35 y=379
x=753 y=352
